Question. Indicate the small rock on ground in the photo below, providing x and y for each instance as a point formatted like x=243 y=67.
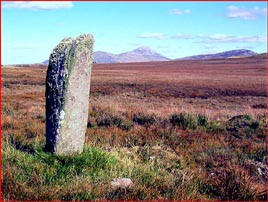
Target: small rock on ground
x=122 y=183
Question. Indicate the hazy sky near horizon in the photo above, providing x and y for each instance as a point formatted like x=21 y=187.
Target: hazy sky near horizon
x=30 y=30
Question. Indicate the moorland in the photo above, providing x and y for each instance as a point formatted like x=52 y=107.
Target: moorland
x=178 y=129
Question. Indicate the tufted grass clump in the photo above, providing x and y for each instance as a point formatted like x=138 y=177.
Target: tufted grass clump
x=184 y=121
x=142 y=119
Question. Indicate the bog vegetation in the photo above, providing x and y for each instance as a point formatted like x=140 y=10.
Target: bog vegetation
x=178 y=130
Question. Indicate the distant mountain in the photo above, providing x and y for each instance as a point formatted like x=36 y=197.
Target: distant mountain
x=104 y=57
x=145 y=54
x=45 y=62
x=141 y=54
x=226 y=54
x=260 y=56
x=99 y=57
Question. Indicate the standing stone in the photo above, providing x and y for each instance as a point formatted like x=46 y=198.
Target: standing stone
x=67 y=94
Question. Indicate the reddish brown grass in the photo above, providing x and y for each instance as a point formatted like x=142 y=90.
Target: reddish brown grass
x=130 y=116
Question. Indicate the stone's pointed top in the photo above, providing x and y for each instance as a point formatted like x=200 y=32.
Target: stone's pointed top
x=66 y=40
x=80 y=38
x=85 y=36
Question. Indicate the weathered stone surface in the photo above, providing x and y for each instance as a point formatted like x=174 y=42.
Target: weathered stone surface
x=67 y=93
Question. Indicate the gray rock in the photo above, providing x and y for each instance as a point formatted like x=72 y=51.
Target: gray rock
x=67 y=93
x=122 y=183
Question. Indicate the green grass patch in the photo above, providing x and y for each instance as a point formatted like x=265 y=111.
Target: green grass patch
x=42 y=169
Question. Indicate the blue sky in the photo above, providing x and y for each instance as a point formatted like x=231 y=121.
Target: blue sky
x=175 y=29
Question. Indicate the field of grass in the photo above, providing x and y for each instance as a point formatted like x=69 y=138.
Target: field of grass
x=178 y=130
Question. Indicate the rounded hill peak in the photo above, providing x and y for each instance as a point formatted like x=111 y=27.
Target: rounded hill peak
x=144 y=50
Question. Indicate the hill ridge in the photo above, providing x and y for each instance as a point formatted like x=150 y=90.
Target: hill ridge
x=220 y=55
x=146 y=54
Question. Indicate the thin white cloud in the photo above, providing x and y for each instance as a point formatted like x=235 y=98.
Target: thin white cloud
x=187 y=11
x=179 y=12
x=135 y=44
x=41 y=5
x=175 y=12
x=162 y=47
x=182 y=36
x=245 y=13
x=245 y=47
x=170 y=51
x=207 y=39
x=161 y=36
x=158 y=36
x=208 y=47
x=225 y=38
x=222 y=38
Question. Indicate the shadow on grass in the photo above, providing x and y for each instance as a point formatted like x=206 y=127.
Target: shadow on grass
x=22 y=147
